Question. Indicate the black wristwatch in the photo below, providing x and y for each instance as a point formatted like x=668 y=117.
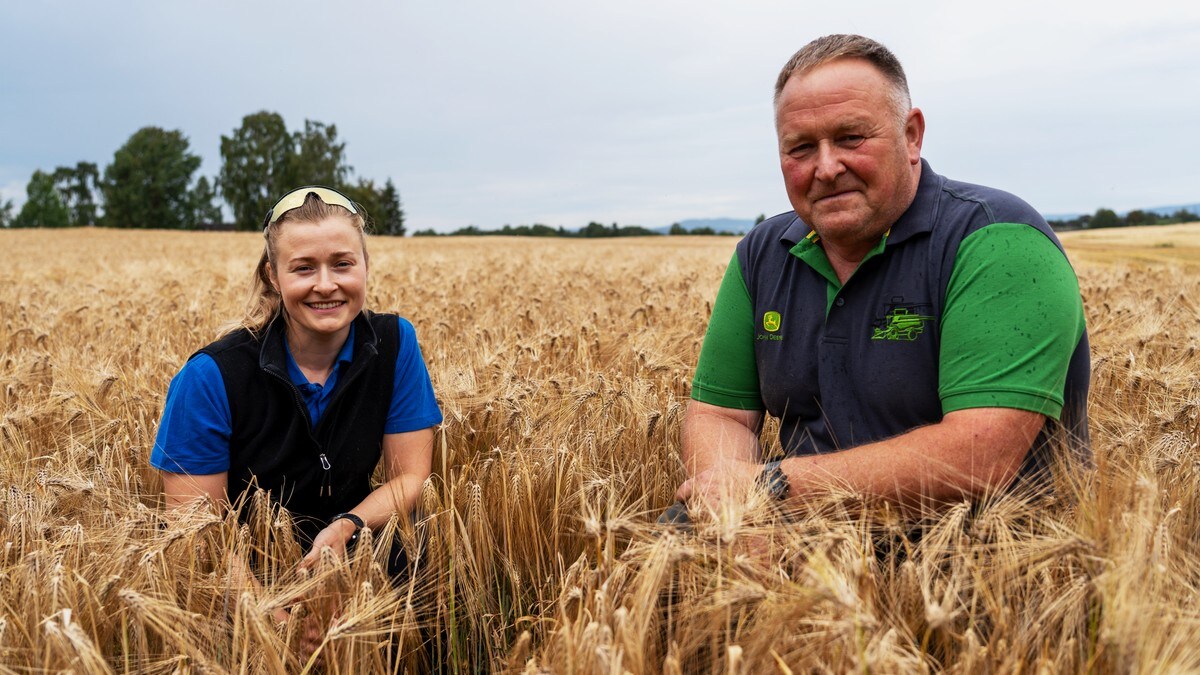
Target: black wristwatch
x=774 y=480
x=358 y=524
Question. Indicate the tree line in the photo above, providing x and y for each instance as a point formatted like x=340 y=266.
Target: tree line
x=149 y=183
x=1108 y=218
x=592 y=230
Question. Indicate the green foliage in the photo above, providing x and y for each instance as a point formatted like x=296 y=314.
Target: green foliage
x=1105 y=218
x=382 y=206
x=1184 y=216
x=1140 y=217
x=202 y=206
x=593 y=230
x=6 y=213
x=256 y=162
x=261 y=161
x=43 y=207
x=317 y=158
x=146 y=186
x=761 y=217
x=677 y=229
x=1137 y=217
x=76 y=186
x=389 y=219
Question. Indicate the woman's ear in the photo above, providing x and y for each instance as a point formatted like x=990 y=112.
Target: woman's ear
x=271 y=277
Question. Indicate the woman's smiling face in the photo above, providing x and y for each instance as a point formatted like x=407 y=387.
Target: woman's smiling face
x=320 y=271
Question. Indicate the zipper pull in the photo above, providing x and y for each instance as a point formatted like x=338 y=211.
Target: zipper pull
x=327 y=483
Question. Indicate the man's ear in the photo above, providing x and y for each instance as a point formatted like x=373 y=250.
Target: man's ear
x=914 y=134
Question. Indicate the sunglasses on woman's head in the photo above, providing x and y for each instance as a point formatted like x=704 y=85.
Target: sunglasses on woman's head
x=295 y=199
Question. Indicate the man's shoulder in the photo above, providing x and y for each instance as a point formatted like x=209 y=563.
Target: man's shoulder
x=779 y=232
x=988 y=205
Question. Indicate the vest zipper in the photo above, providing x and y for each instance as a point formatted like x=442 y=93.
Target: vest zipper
x=327 y=484
x=326 y=489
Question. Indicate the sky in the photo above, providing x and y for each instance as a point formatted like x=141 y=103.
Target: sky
x=641 y=112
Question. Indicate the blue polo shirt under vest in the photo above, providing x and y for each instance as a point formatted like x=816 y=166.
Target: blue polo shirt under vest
x=193 y=436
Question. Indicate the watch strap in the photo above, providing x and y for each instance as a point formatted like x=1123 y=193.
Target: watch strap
x=358 y=523
x=774 y=480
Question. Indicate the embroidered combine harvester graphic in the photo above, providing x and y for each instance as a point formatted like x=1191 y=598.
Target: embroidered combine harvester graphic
x=901 y=323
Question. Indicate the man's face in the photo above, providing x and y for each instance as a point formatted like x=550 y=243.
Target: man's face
x=850 y=169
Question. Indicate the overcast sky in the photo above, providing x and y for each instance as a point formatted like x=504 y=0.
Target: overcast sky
x=638 y=111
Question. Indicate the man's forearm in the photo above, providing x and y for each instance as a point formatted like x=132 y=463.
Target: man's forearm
x=969 y=453
x=712 y=436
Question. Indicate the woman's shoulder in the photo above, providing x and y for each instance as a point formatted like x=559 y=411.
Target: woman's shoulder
x=237 y=337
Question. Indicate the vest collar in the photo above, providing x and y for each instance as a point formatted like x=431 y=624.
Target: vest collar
x=272 y=355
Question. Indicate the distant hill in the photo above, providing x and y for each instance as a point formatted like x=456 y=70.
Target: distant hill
x=737 y=225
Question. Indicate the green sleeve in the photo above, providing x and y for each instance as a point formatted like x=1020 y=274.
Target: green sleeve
x=1012 y=318
x=727 y=374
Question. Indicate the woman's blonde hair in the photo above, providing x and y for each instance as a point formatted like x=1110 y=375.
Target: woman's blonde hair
x=264 y=302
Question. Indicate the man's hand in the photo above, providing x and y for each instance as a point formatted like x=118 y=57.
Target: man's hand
x=731 y=479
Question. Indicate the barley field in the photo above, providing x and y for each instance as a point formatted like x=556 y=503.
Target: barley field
x=563 y=369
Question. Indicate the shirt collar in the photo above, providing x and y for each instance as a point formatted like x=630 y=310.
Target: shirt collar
x=344 y=357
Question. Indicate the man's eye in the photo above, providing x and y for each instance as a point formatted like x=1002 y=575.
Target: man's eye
x=801 y=149
x=851 y=139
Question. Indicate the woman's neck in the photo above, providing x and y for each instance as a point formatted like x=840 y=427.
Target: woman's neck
x=315 y=354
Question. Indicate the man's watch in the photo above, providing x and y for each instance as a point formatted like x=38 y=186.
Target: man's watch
x=774 y=480
x=358 y=524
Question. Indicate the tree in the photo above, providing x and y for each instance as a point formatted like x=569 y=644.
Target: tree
x=1184 y=216
x=1140 y=217
x=76 y=186
x=390 y=219
x=369 y=199
x=202 y=207
x=147 y=183
x=761 y=217
x=677 y=229
x=261 y=161
x=318 y=158
x=595 y=229
x=255 y=165
x=6 y=213
x=44 y=206
x=1105 y=218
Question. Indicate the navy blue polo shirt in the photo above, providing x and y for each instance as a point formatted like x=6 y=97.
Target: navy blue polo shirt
x=967 y=301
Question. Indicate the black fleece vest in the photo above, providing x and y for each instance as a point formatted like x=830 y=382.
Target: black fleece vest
x=316 y=472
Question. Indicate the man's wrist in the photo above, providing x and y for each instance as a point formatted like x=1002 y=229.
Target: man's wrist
x=774 y=480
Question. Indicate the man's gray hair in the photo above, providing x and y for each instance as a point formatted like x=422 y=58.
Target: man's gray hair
x=834 y=47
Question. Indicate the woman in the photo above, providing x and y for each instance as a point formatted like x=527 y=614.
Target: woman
x=305 y=396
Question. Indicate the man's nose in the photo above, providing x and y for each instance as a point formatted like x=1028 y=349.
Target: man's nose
x=829 y=163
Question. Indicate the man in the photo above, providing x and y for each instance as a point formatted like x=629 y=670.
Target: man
x=918 y=338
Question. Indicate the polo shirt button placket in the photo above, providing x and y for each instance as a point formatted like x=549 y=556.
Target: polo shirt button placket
x=839 y=302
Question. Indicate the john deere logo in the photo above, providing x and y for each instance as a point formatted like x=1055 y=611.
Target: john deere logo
x=771 y=321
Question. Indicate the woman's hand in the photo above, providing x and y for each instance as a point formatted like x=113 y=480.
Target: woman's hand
x=335 y=536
